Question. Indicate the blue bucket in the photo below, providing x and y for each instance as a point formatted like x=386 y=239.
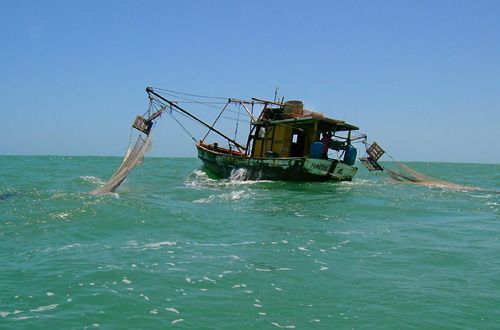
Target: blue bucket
x=350 y=155
x=316 y=150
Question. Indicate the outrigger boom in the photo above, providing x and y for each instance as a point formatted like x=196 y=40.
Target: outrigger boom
x=150 y=91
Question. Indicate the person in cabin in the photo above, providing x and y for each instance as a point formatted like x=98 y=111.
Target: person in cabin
x=326 y=138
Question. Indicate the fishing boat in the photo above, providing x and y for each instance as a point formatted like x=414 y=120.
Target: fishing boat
x=285 y=142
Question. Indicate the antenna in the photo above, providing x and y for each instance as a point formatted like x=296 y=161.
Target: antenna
x=276 y=93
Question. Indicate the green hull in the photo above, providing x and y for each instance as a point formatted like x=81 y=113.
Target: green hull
x=226 y=164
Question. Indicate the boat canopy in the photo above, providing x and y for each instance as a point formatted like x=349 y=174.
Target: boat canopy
x=324 y=123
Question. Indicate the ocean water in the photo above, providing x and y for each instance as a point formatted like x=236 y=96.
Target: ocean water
x=175 y=248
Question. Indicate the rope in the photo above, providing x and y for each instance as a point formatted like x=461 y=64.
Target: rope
x=200 y=102
x=205 y=103
x=194 y=95
x=237 y=124
x=190 y=100
x=130 y=137
x=182 y=126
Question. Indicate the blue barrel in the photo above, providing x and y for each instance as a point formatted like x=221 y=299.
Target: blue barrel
x=316 y=150
x=350 y=155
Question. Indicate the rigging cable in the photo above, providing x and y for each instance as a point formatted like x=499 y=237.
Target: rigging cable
x=208 y=104
x=194 y=95
x=237 y=123
x=182 y=126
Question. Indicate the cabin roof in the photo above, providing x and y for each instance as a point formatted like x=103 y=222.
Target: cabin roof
x=324 y=123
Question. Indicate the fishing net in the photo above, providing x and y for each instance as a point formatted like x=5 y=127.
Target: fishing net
x=409 y=175
x=133 y=157
x=404 y=173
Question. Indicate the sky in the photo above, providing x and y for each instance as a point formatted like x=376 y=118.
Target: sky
x=422 y=78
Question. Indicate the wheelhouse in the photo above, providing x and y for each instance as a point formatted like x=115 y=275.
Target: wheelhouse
x=290 y=131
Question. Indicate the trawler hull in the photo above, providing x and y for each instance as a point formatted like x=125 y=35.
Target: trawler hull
x=225 y=164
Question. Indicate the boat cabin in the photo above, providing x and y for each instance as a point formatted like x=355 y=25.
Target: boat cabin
x=291 y=131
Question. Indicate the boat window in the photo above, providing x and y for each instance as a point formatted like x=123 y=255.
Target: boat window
x=262 y=132
x=297 y=147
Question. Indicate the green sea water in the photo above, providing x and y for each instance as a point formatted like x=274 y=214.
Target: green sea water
x=175 y=248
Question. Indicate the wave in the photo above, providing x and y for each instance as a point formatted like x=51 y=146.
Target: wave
x=92 y=179
x=200 y=179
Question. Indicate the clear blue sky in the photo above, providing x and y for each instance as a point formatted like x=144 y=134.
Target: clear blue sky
x=420 y=77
